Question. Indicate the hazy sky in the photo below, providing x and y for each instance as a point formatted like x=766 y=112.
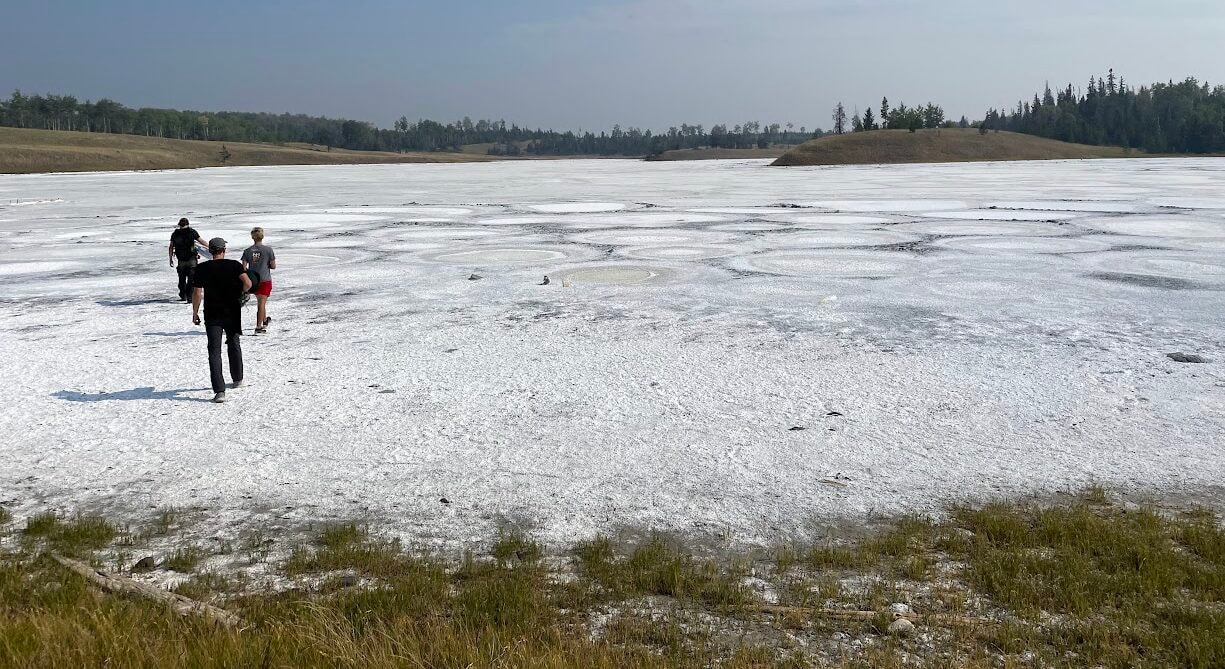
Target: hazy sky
x=592 y=63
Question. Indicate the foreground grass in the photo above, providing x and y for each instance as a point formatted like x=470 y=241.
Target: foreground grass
x=1084 y=583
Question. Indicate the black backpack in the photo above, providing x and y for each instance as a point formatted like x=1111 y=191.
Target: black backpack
x=184 y=242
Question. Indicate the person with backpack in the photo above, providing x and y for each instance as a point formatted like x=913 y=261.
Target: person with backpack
x=183 y=246
x=260 y=260
x=220 y=284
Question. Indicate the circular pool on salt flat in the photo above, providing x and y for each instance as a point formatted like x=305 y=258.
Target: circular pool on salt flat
x=680 y=252
x=42 y=267
x=653 y=237
x=497 y=256
x=831 y=263
x=406 y=210
x=515 y=220
x=1173 y=264
x=95 y=253
x=288 y=262
x=982 y=229
x=1007 y=245
x=432 y=233
x=1001 y=215
x=576 y=207
x=1086 y=206
x=299 y=221
x=975 y=289
x=1171 y=225
x=837 y=238
x=887 y=206
x=616 y=275
x=342 y=242
x=749 y=227
x=743 y=211
x=1189 y=202
x=645 y=219
x=830 y=221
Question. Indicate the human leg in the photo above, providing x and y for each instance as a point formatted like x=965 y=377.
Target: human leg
x=234 y=348
x=185 y=273
x=261 y=311
x=215 y=331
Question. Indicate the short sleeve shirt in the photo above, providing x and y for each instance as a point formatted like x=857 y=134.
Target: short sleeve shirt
x=259 y=259
x=221 y=281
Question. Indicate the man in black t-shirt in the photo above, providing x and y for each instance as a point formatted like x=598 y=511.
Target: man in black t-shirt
x=183 y=246
x=220 y=284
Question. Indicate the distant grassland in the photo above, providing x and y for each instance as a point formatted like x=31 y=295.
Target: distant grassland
x=945 y=145
x=721 y=154
x=24 y=151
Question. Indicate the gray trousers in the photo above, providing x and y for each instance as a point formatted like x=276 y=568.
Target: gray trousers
x=232 y=332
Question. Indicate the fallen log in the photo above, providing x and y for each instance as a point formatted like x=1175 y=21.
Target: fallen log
x=184 y=606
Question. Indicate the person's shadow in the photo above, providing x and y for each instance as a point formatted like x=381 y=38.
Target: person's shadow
x=133 y=394
x=131 y=303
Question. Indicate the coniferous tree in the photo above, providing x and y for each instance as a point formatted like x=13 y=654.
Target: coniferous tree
x=839 y=119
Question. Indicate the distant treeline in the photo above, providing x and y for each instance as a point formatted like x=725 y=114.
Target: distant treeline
x=65 y=112
x=1187 y=117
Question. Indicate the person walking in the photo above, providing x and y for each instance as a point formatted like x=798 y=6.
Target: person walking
x=183 y=247
x=260 y=259
x=220 y=284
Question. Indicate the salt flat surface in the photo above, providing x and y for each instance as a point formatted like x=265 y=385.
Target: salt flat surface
x=658 y=378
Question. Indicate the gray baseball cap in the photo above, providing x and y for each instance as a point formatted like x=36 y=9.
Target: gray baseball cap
x=216 y=244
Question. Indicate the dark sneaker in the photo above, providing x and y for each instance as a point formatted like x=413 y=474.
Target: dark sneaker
x=267 y=320
x=236 y=384
x=218 y=398
x=260 y=331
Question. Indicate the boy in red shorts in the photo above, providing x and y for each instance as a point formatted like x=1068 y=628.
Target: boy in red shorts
x=260 y=259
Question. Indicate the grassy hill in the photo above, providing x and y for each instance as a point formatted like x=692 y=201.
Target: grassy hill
x=24 y=151
x=945 y=145
x=721 y=154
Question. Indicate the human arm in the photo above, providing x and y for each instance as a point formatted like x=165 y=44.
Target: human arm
x=246 y=282
x=271 y=259
x=170 y=249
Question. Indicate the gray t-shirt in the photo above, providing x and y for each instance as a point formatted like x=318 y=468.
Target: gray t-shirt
x=258 y=257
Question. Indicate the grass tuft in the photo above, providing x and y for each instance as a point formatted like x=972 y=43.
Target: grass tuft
x=340 y=537
x=184 y=560
x=515 y=547
x=661 y=567
x=41 y=525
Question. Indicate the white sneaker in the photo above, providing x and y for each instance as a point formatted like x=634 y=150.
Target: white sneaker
x=236 y=384
x=219 y=398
